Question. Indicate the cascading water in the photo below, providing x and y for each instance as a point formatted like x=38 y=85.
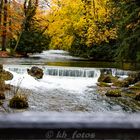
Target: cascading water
x=64 y=89
x=75 y=79
x=60 y=71
x=68 y=71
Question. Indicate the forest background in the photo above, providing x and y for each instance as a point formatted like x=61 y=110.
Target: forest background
x=101 y=30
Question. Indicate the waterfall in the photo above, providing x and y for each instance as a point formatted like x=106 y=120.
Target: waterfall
x=120 y=73
x=72 y=72
x=59 y=71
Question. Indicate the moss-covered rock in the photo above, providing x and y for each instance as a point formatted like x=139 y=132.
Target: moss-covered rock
x=2 y=95
x=135 y=76
x=121 y=83
x=1 y=67
x=130 y=80
x=106 y=78
x=136 y=86
x=137 y=97
x=103 y=84
x=19 y=101
x=113 y=93
x=2 y=84
x=7 y=75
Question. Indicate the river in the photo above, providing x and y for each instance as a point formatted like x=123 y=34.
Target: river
x=68 y=84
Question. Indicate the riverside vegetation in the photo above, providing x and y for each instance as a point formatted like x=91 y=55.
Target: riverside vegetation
x=19 y=100
x=89 y=29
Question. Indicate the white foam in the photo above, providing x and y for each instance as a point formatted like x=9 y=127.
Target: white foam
x=52 y=82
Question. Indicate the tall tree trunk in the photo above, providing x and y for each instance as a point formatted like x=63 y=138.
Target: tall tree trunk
x=1 y=9
x=10 y=22
x=27 y=5
x=1 y=12
x=4 y=35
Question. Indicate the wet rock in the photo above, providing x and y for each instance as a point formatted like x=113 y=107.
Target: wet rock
x=19 y=101
x=137 y=97
x=136 y=86
x=2 y=84
x=130 y=80
x=1 y=68
x=121 y=83
x=35 y=72
x=113 y=93
x=135 y=76
x=107 y=78
x=7 y=75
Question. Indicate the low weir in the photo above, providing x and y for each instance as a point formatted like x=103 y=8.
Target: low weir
x=67 y=71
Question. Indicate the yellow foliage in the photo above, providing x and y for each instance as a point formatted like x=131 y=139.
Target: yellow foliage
x=87 y=19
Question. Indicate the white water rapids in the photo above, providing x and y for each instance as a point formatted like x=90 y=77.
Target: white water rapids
x=74 y=79
x=64 y=88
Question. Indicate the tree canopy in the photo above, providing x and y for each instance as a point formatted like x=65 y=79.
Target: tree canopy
x=88 y=28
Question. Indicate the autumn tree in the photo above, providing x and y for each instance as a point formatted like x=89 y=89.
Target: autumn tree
x=31 y=38
x=79 y=25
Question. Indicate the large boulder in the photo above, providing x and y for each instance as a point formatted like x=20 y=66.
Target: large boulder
x=7 y=75
x=106 y=76
x=4 y=75
x=36 y=72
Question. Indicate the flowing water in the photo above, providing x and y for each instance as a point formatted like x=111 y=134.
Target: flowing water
x=65 y=88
